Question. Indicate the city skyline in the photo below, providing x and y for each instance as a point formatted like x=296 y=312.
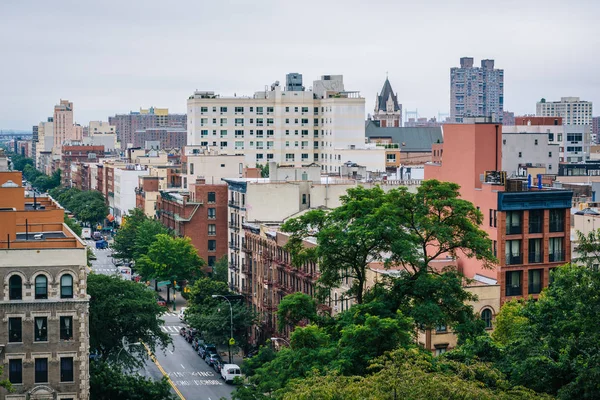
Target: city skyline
x=113 y=57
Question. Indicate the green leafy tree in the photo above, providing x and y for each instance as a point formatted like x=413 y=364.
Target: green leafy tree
x=588 y=246
x=146 y=236
x=19 y=162
x=349 y=238
x=108 y=382
x=75 y=227
x=410 y=374
x=5 y=383
x=295 y=308
x=123 y=309
x=171 y=259
x=556 y=345
x=510 y=322
x=264 y=170
x=124 y=243
x=220 y=269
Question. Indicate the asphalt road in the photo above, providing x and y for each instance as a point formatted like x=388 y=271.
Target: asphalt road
x=104 y=262
x=192 y=377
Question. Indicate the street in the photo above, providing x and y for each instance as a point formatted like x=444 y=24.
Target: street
x=104 y=262
x=192 y=377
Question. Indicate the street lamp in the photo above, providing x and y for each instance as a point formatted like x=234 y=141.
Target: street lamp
x=125 y=346
x=275 y=339
x=231 y=340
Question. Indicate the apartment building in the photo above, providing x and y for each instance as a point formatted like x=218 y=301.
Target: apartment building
x=101 y=133
x=596 y=129
x=529 y=224
x=526 y=153
x=127 y=124
x=288 y=127
x=199 y=213
x=210 y=164
x=387 y=109
x=64 y=130
x=125 y=183
x=76 y=152
x=44 y=338
x=167 y=137
x=476 y=91
x=45 y=141
x=572 y=110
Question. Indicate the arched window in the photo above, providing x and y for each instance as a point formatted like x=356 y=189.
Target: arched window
x=486 y=316
x=15 y=288
x=66 y=287
x=41 y=287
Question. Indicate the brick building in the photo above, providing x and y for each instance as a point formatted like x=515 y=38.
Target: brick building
x=200 y=214
x=77 y=153
x=168 y=137
x=127 y=124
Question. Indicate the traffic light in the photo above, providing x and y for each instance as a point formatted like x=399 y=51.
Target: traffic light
x=174 y=283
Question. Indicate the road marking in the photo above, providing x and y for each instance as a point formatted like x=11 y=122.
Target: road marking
x=170 y=352
x=182 y=366
x=161 y=369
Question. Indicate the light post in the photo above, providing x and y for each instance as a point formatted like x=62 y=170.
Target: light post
x=231 y=340
x=125 y=346
x=275 y=339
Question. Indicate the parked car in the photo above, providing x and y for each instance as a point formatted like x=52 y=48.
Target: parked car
x=218 y=365
x=182 y=313
x=230 y=371
x=213 y=359
x=205 y=349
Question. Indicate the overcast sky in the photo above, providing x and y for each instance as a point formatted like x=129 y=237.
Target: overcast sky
x=115 y=56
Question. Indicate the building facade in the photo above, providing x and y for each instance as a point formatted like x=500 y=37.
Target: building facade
x=288 y=127
x=476 y=91
x=387 y=109
x=127 y=124
x=64 y=130
x=167 y=137
x=572 y=110
x=528 y=153
x=596 y=129
x=44 y=332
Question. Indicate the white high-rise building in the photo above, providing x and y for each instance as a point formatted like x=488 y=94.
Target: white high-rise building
x=295 y=127
x=572 y=110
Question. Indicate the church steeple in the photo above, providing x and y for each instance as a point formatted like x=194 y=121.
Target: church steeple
x=387 y=108
x=386 y=93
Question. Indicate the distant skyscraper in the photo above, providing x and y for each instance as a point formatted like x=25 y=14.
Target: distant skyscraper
x=64 y=130
x=508 y=118
x=475 y=91
x=572 y=110
x=387 y=108
x=596 y=129
x=293 y=82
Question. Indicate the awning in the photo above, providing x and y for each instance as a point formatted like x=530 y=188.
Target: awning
x=110 y=217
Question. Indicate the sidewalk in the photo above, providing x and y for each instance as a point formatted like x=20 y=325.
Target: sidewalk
x=179 y=300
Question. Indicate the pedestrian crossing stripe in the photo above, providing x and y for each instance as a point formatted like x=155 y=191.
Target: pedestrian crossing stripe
x=170 y=314
x=170 y=328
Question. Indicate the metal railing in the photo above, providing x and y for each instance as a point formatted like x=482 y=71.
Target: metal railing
x=514 y=259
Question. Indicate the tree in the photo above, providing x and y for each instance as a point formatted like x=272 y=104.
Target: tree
x=221 y=269
x=5 y=383
x=588 y=246
x=108 y=382
x=123 y=309
x=295 y=308
x=349 y=238
x=75 y=227
x=264 y=170
x=171 y=259
x=410 y=374
x=555 y=347
x=124 y=243
x=146 y=235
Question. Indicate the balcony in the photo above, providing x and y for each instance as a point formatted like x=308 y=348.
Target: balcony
x=234 y=246
x=535 y=257
x=234 y=204
x=246 y=269
x=514 y=259
x=233 y=225
x=513 y=230
x=556 y=256
x=233 y=266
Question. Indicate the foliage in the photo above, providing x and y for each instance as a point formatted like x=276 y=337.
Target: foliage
x=555 y=347
x=75 y=227
x=19 y=162
x=220 y=269
x=87 y=206
x=146 y=235
x=37 y=179
x=123 y=309
x=295 y=308
x=349 y=238
x=169 y=258
x=588 y=246
x=410 y=374
x=124 y=243
x=108 y=382
x=264 y=170
x=510 y=322
x=5 y=383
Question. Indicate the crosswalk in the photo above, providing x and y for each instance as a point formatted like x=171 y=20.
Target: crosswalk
x=170 y=328
x=111 y=270
x=171 y=314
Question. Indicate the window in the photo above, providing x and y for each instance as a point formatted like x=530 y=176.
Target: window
x=486 y=317
x=212 y=245
x=441 y=329
x=212 y=197
x=535 y=221
x=211 y=261
x=66 y=286
x=223 y=109
x=557 y=220
x=513 y=252
x=439 y=350
x=513 y=222
x=239 y=109
x=555 y=250
x=15 y=288
x=535 y=281
x=212 y=213
x=574 y=137
x=212 y=229
x=41 y=370
x=520 y=155
x=41 y=287
x=287 y=109
x=15 y=371
x=549 y=154
x=66 y=328
x=15 y=330
x=40 y=328
x=66 y=369
x=513 y=283
x=203 y=109
x=536 y=254
x=535 y=142
x=303 y=198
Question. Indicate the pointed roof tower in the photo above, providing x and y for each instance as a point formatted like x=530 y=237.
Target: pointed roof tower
x=382 y=98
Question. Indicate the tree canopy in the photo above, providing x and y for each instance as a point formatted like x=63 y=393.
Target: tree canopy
x=87 y=206
x=294 y=308
x=108 y=383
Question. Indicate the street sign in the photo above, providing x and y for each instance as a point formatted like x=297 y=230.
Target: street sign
x=163 y=283
x=232 y=342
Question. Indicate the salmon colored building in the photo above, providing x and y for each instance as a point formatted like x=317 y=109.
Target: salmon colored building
x=529 y=225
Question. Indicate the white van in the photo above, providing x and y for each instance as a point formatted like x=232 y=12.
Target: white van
x=230 y=371
x=182 y=313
